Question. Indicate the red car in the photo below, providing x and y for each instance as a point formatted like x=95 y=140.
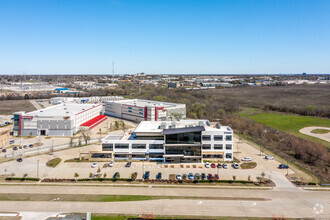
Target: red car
x=213 y=165
x=210 y=177
x=216 y=176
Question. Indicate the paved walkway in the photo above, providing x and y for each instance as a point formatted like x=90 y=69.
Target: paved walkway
x=307 y=131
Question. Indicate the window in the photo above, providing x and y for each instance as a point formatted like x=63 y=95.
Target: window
x=218 y=147
x=228 y=147
x=140 y=109
x=121 y=155
x=129 y=110
x=228 y=137
x=156 y=146
x=218 y=137
x=141 y=113
x=206 y=147
x=228 y=156
x=206 y=137
x=129 y=107
x=121 y=146
x=138 y=146
x=107 y=147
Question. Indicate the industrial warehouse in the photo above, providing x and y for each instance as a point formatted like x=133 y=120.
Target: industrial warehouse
x=145 y=110
x=185 y=141
x=58 y=120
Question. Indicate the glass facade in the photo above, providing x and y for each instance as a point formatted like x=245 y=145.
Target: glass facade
x=218 y=146
x=228 y=137
x=107 y=147
x=121 y=146
x=206 y=137
x=139 y=146
x=184 y=150
x=184 y=138
x=156 y=146
x=218 y=137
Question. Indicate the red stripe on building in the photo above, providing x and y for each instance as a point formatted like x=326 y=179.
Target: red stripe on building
x=94 y=121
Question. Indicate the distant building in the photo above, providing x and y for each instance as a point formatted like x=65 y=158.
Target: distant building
x=185 y=141
x=174 y=85
x=145 y=110
x=58 y=120
x=93 y=99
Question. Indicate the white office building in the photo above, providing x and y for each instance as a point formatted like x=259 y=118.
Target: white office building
x=57 y=120
x=145 y=110
x=185 y=141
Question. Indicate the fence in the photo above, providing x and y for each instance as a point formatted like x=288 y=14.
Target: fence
x=44 y=149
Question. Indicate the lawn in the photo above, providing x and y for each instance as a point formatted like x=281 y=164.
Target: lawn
x=7 y=107
x=291 y=123
x=320 y=131
x=54 y=162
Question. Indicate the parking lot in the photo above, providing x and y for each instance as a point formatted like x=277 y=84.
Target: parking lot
x=36 y=166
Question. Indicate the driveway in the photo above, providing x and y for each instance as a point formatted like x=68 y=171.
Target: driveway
x=307 y=131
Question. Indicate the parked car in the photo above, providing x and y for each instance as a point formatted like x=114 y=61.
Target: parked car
x=146 y=175
x=210 y=177
x=216 y=176
x=19 y=160
x=213 y=165
x=235 y=165
x=31 y=145
x=224 y=166
x=11 y=141
x=179 y=176
x=191 y=176
x=116 y=175
x=4 y=150
x=246 y=159
x=25 y=146
x=128 y=164
x=219 y=165
x=184 y=176
x=159 y=176
x=196 y=177
x=20 y=147
x=94 y=165
x=111 y=164
x=267 y=157
x=207 y=165
x=203 y=176
x=15 y=148
x=283 y=166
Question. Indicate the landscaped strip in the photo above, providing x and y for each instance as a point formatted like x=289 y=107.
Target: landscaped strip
x=105 y=198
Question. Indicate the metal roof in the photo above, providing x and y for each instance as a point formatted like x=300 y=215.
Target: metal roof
x=183 y=130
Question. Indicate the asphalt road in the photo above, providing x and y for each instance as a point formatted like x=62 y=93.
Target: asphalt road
x=291 y=203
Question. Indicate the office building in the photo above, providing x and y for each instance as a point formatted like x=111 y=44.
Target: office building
x=185 y=141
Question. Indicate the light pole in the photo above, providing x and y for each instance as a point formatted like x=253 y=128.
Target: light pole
x=37 y=168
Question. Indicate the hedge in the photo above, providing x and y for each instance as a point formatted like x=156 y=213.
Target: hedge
x=106 y=179
x=22 y=178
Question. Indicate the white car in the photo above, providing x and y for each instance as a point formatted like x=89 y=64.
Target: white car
x=111 y=164
x=267 y=157
x=94 y=165
x=246 y=159
x=179 y=176
x=207 y=165
x=224 y=166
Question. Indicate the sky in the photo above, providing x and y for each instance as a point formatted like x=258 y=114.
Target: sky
x=164 y=36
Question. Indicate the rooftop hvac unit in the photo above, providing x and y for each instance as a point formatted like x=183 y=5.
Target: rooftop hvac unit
x=201 y=123
x=163 y=125
x=173 y=124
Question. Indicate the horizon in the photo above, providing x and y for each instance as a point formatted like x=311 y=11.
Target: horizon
x=238 y=37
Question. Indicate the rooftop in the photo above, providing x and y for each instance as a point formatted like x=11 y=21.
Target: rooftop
x=62 y=110
x=158 y=126
x=147 y=103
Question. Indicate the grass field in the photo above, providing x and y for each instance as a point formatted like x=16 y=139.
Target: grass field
x=54 y=162
x=290 y=123
x=7 y=107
